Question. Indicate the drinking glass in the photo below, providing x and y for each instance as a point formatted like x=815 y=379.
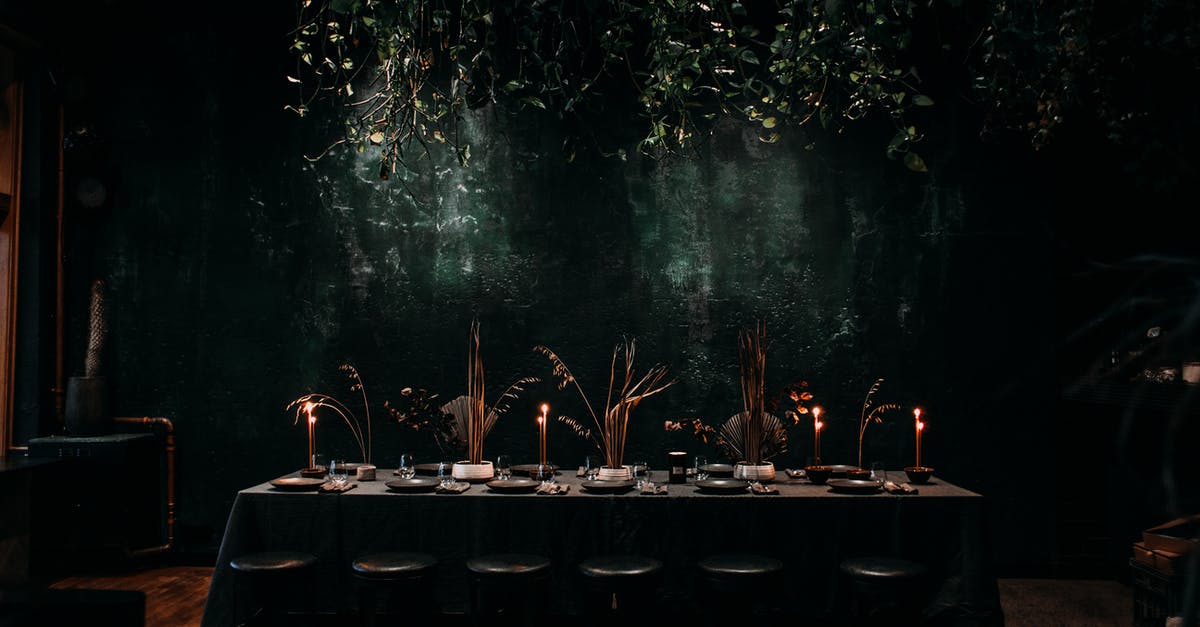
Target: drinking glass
x=641 y=474
x=445 y=473
x=701 y=468
x=337 y=473
x=407 y=468
x=545 y=472
x=591 y=467
x=503 y=467
x=878 y=471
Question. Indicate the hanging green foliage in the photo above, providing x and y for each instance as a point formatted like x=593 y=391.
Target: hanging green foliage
x=402 y=73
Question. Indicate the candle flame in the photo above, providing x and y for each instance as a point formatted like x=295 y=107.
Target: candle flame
x=816 y=412
x=308 y=408
x=818 y=424
x=540 y=420
x=545 y=409
x=917 y=413
x=920 y=426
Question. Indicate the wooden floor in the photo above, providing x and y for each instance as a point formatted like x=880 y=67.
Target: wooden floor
x=175 y=597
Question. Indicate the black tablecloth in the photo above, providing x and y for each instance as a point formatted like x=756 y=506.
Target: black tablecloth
x=807 y=526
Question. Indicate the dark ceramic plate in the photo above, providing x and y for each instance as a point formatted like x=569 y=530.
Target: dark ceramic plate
x=718 y=470
x=722 y=486
x=840 y=470
x=529 y=469
x=855 y=486
x=416 y=484
x=513 y=486
x=297 y=484
x=607 y=487
x=426 y=469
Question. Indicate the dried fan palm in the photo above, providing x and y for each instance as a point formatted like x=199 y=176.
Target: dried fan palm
x=773 y=442
x=473 y=417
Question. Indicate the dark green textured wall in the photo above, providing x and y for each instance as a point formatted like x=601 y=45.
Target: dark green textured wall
x=241 y=275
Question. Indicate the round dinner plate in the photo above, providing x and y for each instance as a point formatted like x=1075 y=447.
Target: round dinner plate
x=426 y=469
x=415 y=484
x=718 y=470
x=854 y=486
x=607 y=487
x=722 y=486
x=297 y=484
x=513 y=486
x=529 y=469
x=840 y=470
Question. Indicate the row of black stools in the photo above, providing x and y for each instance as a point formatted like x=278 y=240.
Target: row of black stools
x=510 y=589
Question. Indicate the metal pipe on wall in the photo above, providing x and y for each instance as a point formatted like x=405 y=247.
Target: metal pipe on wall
x=169 y=427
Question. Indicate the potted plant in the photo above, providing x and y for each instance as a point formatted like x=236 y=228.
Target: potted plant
x=466 y=420
x=751 y=445
x=623 y=396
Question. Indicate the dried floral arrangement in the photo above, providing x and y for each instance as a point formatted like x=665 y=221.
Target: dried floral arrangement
x=871 y=413
x=308 y=404
x=466 y=420
x=612 y=426
x=732 y=438
x=421 y=411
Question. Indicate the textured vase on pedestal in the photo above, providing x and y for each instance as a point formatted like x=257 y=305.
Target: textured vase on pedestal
x=87 y=407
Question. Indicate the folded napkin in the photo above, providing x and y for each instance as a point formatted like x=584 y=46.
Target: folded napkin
x=329 y=487
x=553 y=488
x=793 y=473
x=898 y=488
x=453 y=488
x=651 y=488
x=759 y=488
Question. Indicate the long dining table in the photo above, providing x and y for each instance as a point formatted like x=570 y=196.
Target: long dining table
x=809 y=527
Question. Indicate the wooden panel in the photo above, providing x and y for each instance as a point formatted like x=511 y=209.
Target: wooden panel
x=10 y=168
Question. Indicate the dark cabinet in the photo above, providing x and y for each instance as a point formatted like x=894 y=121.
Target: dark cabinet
x=102 y=501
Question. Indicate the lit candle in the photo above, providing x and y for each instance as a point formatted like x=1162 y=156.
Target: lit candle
x=920 y=426
x=542 y=431
x=817 y=424
x=312 y=421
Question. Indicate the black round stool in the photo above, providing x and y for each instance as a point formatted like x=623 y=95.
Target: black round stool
x=508 y=588
x=739 y=582
x=400 y=580
x=622 y=587
x=273 y=579
x=885 y=590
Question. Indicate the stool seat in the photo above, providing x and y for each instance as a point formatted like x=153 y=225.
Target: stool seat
x=272 y=562
x=394 y=565
x=736 y=565
x=509 y=565
x=882 y=568
x=618 y=566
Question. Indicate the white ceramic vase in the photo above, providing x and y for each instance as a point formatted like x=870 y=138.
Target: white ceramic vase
x=754 y=472
x=615 y=474
x=466 y=471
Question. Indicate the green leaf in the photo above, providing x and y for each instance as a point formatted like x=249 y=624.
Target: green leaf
x=922 y=100
x=535 y=101
x=376 y=138
x=749 y=57
x=464 y=155
x=769 y=123
x=915 y=162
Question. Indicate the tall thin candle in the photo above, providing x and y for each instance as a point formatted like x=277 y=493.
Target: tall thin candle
x=542 y=424
x=817 y=424
x=312 y=421
x=920 y=426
